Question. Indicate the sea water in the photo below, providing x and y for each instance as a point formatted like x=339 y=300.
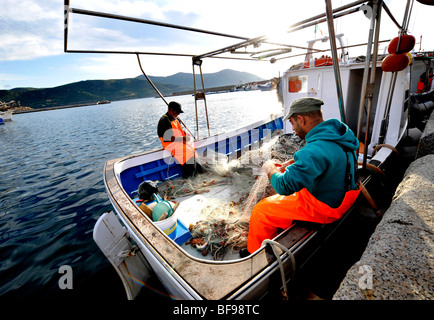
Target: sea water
x=52 y=190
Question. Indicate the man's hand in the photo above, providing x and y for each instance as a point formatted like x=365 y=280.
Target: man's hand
x=270 y=167
x=287 y=163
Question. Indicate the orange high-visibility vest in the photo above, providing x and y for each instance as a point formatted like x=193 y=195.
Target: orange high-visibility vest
x=182 y=151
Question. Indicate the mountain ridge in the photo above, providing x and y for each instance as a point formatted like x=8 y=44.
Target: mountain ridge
x=91 y=91
x=221 y=78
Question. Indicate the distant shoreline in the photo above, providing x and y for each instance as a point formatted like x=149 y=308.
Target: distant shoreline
x=61 y=107
x=187 y=92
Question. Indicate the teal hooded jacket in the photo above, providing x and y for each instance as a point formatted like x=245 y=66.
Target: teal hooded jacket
x=320 y=166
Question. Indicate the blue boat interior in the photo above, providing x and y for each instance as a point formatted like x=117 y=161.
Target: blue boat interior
x=160 y=170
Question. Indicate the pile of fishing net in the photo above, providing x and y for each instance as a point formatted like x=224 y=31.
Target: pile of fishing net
x=220 y=231
x=224 y=222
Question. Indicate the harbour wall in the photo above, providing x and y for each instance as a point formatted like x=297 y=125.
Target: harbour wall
x=398 y=262
x=59 y=107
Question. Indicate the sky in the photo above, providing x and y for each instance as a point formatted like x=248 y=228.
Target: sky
x=32 y=36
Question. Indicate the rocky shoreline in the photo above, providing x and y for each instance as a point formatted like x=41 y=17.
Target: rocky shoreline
x=398 y=262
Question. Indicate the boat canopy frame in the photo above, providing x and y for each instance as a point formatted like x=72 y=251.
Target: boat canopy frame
x=279 y=51
x=264 y=55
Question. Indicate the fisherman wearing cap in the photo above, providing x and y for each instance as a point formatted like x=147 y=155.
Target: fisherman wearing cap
x=176 y=141
x=318 y=185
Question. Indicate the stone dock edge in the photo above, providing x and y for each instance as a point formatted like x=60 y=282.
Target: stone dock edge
x=398 y=261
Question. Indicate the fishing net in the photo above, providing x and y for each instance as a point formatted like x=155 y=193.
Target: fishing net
x=232 y=188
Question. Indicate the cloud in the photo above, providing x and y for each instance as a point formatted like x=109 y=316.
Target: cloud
x=34 y=29
x=176 y=12
x=27 y=47
x=28 y=10
x=30 y=30
x=121 y=7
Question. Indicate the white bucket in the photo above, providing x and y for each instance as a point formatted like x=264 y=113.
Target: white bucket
x=168 y=225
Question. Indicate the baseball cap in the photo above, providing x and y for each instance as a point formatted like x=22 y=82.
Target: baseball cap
x=175 y=106
x=304 y=105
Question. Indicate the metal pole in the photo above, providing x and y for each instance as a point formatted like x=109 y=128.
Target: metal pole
x=195 y=101
x=204 y=100
x=66 y=21
x=366 y=72
x=159 y=93
x=149 y=80
x=322 y=15
x=156 y=23
x=385 y=121
x=372 y=81
x=335 y=58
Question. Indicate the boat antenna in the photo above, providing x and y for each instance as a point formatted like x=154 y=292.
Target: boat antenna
x=159 y=93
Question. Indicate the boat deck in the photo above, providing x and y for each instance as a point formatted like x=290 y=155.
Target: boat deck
x=211 y=198
x=215 y=206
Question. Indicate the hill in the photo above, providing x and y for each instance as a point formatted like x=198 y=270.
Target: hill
x=224 y=77
x=91 y=91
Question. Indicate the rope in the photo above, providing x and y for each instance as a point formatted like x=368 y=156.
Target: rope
x=384 y=145
x=273 y=245
x=371 y=201
x=374 y=168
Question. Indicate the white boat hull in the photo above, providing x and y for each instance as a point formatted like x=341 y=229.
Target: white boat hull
x=183 y=275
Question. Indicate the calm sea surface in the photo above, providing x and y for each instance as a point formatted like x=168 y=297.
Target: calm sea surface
x=52 y=190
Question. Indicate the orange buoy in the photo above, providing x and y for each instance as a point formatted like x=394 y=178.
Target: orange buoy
x=407 y=43
x=395 y=62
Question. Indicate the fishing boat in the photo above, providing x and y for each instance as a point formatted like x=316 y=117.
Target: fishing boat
x=374 y=103
x=266 y=86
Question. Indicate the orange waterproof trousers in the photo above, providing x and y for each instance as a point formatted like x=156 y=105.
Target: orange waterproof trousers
x=182 y=151
x=279 y=212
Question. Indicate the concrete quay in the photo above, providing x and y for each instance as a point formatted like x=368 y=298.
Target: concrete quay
x=398 y=262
